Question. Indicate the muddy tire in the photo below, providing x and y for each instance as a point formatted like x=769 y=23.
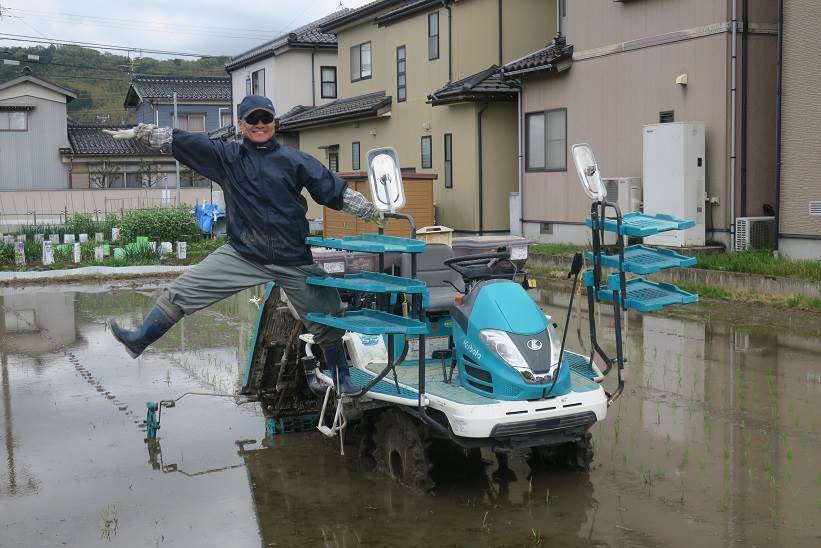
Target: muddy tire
x=576 y=455
x=402 y=450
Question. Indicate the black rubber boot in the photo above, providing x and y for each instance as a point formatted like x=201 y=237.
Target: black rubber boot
x=154 y=326
x=338 y=369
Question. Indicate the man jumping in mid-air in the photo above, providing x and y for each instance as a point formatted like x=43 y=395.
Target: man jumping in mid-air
x=262 y=183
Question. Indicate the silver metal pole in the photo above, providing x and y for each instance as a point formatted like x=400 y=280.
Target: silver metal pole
x=177 y=163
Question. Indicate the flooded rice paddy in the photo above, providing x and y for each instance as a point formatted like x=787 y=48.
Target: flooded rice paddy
x=715 y=442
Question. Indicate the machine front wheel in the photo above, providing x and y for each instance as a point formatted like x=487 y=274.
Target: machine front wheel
x=402 y=450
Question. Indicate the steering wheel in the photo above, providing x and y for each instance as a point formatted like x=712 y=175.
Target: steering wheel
x=479 y=267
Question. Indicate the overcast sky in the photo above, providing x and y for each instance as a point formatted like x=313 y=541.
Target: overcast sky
x=209 y=27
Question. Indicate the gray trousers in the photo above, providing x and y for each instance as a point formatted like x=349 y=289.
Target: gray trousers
x=225 y=272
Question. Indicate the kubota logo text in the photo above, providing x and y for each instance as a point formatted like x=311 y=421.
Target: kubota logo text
x=472 y=350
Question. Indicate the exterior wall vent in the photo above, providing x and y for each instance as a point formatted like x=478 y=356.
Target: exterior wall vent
x=815 y=208
x=754 y=233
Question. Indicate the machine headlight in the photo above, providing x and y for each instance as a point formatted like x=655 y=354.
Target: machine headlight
x=503 y=346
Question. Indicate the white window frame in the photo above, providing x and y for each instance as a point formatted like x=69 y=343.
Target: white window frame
x=186 y=116
x=356 y=53
x=258 y=82
x=548 y=162
x=222 y=112
x=6 y=117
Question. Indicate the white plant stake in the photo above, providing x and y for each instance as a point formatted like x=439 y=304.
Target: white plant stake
x=83 y=238
x=182 y=250
x=98 y=254
x=115 y=234
x=48 y=254
x=78 y=253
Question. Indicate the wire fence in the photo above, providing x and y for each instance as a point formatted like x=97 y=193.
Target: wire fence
x=41 y=209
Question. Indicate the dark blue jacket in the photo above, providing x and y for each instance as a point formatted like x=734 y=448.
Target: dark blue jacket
x=265 y=210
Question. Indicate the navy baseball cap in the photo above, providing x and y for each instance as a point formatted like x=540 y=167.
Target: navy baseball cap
x=255 y=102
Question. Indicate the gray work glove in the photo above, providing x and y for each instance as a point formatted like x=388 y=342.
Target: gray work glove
x=379 y=218
x=141 y=132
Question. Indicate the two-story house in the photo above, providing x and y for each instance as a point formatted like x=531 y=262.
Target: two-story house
x=296 y=68
x=619 y=66
x=420 y=76
x=32 y=132
x=203 y=102
x=798 y=175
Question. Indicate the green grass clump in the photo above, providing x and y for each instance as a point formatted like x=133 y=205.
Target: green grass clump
x=557 y=249
x=712 y=292
x=763 y=263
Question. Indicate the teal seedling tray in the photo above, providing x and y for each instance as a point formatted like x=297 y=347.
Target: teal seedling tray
x=369 y=243
x=641 y=259
x=372 y=282
x=646 y=296
x=639 y=225
x=370 y=322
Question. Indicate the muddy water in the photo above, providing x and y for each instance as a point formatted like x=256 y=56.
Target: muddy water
x=714 y=443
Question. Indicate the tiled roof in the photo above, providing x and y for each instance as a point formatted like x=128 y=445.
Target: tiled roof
x=90 y=139
x=224 y=133
x=407 y=9
x=488 y=85
x=341 y=109
x=547 y=58
x=371 y=8
x=188 y=88
x=307 y=35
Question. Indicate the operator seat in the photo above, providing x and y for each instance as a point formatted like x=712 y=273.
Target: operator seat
x=431 y=269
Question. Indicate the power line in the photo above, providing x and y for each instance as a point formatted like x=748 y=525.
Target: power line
x=35 y=40
x=136 y=23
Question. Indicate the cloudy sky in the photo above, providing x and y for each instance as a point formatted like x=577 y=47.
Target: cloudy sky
x=208 y=27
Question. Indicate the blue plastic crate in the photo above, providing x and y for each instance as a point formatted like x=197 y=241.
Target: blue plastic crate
x=291 y=425
x=372 y=282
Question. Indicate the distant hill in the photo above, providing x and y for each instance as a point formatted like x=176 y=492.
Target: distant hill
x=100 y=79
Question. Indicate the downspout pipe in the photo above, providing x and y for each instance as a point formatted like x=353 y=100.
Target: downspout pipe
x=500 y=35
x=778 y=79
x=313 y=78
x=481 y=173
x=446 y=5
x=520 y=161
x=732 y=166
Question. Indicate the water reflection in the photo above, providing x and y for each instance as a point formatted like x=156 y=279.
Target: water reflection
x=719 y=427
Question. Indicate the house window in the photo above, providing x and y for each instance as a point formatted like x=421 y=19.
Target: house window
x=448 y=160
x=427 y=152
x=666 y=117
x=546 y=136
x=133 y=180
x=225 y=117
x=433 y=36
x=247 y=86
x=258 y=82
x=328 y=77
x=361 y=62
x=15 y=120
x=191 y=122
x=355 y=154
x=401 y=79
x=333 y=160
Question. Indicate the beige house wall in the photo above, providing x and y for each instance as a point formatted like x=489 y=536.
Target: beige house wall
x=801 y=114
x=526 y=25
x=593 y=23
x=609 y=99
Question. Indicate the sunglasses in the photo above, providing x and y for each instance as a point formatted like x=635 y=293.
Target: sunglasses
x=259 y=116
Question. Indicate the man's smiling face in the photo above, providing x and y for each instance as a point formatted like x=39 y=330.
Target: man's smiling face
x=258 y=127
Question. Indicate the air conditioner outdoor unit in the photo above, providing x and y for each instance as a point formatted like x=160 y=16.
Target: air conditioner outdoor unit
x=624 y=191
x=754 y=233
